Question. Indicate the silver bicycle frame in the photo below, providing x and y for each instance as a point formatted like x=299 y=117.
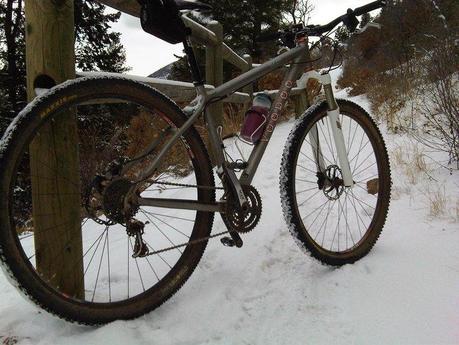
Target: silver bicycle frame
x=299 y=61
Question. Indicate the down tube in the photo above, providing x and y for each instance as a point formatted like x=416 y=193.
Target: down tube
x=289 y=81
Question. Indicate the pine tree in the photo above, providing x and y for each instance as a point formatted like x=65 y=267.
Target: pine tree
x=96 y=49
x=365 y=19
x=342 y=34
x=243 y=22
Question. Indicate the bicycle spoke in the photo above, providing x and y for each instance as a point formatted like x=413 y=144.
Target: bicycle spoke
x=98 y=270
x=137 y=265
x=108 y=270
x=307 y=190
x=309 y=198
x=172 y=227
x=324 y=222
x=174 y=217
x=171 y=242
x=98 y=240
x=365 y=169
x=309 y=214
x=159 y=255
x=331 y=142
x=304 y=168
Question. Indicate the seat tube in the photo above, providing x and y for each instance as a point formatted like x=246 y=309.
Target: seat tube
x=335 y=125
x=215 y=140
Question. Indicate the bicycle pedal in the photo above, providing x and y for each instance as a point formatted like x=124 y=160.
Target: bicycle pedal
x=230 y=242
x=227 y=241
x=239 y=165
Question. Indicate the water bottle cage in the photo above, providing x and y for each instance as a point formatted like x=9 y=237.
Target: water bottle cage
x=258 y=131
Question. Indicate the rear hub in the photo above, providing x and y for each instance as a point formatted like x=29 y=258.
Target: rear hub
x=114 y=201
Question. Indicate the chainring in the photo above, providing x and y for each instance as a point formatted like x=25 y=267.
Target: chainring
x=236 y=219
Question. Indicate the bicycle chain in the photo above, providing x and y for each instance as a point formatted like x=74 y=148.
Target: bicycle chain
x=199 y=240
x=186 y=185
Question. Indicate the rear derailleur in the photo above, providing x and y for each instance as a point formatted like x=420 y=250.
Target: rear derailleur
x=135 y=228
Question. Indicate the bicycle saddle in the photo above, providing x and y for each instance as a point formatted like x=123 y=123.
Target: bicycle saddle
x=192 y=5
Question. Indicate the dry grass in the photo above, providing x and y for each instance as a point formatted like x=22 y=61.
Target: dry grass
x=232 y=119
x=441 y=204
x=438 y=202
x=410 y=159
x=397 y=155
x=456 y=211
x=7 y=340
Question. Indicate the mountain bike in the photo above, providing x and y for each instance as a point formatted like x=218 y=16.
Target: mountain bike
x=117 y=232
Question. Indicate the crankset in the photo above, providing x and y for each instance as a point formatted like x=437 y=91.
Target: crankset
x=243 y=220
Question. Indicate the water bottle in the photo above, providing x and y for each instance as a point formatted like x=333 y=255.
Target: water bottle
x=255 y=118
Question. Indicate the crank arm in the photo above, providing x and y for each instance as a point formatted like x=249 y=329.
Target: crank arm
x=236 y=187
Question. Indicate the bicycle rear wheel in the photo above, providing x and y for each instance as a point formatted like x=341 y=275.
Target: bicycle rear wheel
x=335 y=224
x=82 y=267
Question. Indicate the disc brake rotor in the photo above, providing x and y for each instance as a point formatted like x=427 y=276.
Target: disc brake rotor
x=334 y=185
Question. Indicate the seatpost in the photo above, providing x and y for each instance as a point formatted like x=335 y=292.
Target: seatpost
x=192 y=62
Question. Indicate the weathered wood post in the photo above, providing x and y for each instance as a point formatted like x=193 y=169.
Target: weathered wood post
x=54 y=163
x=249 y=88
x=214 y=69
x=301 y=103
x=302 y=100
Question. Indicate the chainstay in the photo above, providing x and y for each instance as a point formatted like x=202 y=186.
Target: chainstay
x=194 y=241
x=189 y=243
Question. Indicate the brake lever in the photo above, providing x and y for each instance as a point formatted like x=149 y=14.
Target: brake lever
x=282 y=49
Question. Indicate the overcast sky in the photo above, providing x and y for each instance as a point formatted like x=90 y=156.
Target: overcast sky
x=146 y=53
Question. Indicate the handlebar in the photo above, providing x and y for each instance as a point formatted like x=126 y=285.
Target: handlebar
x=318 y=30
x=370 y=7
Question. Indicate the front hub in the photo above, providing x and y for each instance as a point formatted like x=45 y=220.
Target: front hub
x=333 y=185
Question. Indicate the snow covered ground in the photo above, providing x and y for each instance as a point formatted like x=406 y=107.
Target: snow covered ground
x=406 y=291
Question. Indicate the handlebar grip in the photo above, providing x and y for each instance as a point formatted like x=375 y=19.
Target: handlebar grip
x=370 y=7
x=268 y=37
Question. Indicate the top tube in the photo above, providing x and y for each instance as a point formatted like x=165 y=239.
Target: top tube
x=231 y=86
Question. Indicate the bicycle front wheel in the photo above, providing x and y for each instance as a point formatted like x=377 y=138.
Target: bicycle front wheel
x=334 y=223
x=67 y=166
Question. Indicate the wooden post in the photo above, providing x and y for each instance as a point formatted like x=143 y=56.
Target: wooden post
x=54 y=163
x=249 y=88
x=301 y=103
x=214 y=68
